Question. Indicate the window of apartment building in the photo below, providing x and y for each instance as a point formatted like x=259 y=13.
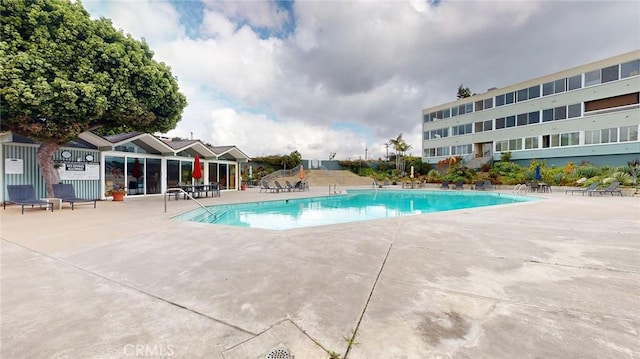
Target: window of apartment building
x=534 y=117
x=502 y=146
x=488 y=125
x=454 y=111
x=515 y=144
x=570 y=139
x=461 y=129
x=511 y=121
x=429 y=152
x=426 y=117
x=591 y=137
x=591 y=78
x=440 y=133
x=433 y=116
x=500 y=123
x=609 y=135
x=488 y=103
x=629 y=69
x=479 y=106
x=628 y=133
x=478 y=127
x=461 y=150
x=521 y=119
x=509 y=97
x=547 y=115
x=446 y=113
x=531 y=143
x=523 y=95
x=560 y=113
x=500 y=100
x=469 y=107
x=554 y=87
x=574 y=110
x=425 y=135
x=610 y=73
x=442 y=151
x=612 y=102
x=462 y=109
x=575 y=82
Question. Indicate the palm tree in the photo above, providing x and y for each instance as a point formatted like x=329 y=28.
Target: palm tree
x=401 y=148
x=463 y=92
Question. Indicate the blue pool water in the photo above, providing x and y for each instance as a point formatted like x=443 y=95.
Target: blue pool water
x=357 y=205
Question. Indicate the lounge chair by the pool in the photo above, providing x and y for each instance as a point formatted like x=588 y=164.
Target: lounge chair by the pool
x=479 y=186
x=613 y=188
x=459 y=185
x=592 y=187
x=25 y=195
x=279 y=186
x=444 y=185
x=264 y=186
x=67 y=193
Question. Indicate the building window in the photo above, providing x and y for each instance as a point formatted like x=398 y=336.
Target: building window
x=442 y=151
x=508 y=97
x=609 y=135
x=523 y=95
x=446 y=113
x=500 y=123
x=511 y=121
x=530 y=143
x=429 y=152
x=612 y=102
x=610 y=73
x=469 y=107
x=591 y=137
x=479 y=105
x=592 y=78
x=488 y=125
x=488 y=103
x=560 y=85
x=534 y=92
x=547 y=115
x=534 y=117
x=575 y=82
x=521 y=120
x=502 y=146
x=628 y=133
x=500 y=100
x=478 y=127
x=570 y=139
x=461 y=150
x=426 y=117
x=629 y=69
x=515 y=144
x=574 y=110
x=560 y=113
x=461 y=109
x=454 y=111
x=425 y=135
x=547 y=89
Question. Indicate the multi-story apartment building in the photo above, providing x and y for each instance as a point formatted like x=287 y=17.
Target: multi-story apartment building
x=590 y=113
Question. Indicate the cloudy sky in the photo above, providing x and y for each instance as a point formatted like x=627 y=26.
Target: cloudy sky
x=339 y=76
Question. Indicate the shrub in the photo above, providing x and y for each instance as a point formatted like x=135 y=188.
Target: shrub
x=622 y=177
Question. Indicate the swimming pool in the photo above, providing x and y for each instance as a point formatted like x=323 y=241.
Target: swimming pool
x=357 y=205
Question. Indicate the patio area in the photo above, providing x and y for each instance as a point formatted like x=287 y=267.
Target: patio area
x=554 y=278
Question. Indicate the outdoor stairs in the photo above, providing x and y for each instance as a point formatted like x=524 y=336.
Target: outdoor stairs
x=478 y=162
x=326 y=178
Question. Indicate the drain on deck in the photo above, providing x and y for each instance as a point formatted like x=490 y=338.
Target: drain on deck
x=279 y=352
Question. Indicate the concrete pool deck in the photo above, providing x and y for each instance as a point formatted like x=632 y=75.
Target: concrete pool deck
x=554 y=278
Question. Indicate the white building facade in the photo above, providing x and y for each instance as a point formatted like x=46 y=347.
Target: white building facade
x=589 y=113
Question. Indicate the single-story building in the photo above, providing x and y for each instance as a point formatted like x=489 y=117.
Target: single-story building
x=141 y=163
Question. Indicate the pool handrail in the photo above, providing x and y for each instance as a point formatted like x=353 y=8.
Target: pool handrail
x=180 y=190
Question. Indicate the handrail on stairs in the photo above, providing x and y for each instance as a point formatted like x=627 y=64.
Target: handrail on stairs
x=281 y=173
x=176 y=191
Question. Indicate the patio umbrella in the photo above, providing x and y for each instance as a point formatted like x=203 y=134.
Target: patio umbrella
x=137 y=170
x=411 y=171
x=196 y=173
x=301 y=172
x=538 y=177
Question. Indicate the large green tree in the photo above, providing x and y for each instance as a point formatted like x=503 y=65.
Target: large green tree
x=62 y=73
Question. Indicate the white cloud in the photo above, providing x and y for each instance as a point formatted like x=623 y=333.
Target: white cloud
x=371 y=64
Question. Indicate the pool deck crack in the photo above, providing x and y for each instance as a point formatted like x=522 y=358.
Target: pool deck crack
x=351 y=340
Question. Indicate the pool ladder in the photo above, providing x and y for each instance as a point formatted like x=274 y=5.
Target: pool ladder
x=176 y=191
x=336 y=189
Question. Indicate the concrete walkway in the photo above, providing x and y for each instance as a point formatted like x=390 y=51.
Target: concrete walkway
x=554 y=278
